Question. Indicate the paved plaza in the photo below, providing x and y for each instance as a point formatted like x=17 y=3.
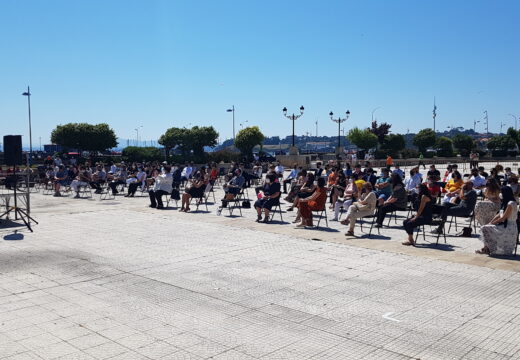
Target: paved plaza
x=114 y=279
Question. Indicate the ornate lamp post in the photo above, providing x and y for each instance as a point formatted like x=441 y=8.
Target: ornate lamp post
x=232 y=110
x=293 y=119
x=339 y=120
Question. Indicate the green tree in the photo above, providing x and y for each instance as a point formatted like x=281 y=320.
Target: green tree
x=514 y=134
x=363 y=139
x=83 y=136
x=174 y=137
x=189 y=140
x=501 y=144
x=138 y=154
x=381 y=131
x=393 y=143
x=247 y=139
x=463 y=143
x=444 y=146
x=424 y=139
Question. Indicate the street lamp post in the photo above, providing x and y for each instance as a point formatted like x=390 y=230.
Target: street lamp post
x=516 y=120
x=293 y=118
x=475 y=122
x=28 y=94
x=232 y=110
x=242 y=124
x=339 y=120
x=137 y=131
x=487 y=121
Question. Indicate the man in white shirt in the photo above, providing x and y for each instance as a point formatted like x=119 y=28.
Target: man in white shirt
x=479 y=183
x=162 y=186
x=186 y=172
x=292 y=176
x=413 y=181
x=279 y=169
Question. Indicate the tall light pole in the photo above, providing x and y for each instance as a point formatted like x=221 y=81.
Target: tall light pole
x=434 y=113
x=316 y=127
x=339 y=120
x=232 y=110
x=28 y=94
x=501 y=126
x=373 y=111
x=242 y=124
x=475 y=122
x=40 y=144
x=486 y=121
x=137 y=131
x=293 y=118
x=516 y=120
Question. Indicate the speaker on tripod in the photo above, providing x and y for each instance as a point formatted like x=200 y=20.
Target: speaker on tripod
x=13 y=157
x=13 y=150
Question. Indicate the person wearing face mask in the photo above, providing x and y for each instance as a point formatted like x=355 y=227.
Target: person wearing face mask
x=233 y=187
x=162 y=186
x=269 y=197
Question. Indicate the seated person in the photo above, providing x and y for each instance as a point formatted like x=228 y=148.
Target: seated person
x=290 y=178
x=315 y=202
x=134 y=181
x=365 y=206
x=383 y=188
x=338 y=188
x=462 y=205
x=501 y=234
x=99 y=177
x=433 y=186
x=349 y=196
x=233 y=187
x=83 y=179
x=453 y=186
x=194 y=189
x=479 y=182
x=299 y=181
x=269 y=197
x=396 y=201
x=279 y=169
x=162 y=186
x=423 y=215
x=60 y=178
x=186 y=172
x=398 y=171
x=306 y=190
x=434 y=173
x=118 y=178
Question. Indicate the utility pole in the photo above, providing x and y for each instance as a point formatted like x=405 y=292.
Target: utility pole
x=434 y=113
x=316 y=127
x=475 y=122
x=486 y=121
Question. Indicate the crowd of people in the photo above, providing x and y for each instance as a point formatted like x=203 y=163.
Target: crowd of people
x=353 y=192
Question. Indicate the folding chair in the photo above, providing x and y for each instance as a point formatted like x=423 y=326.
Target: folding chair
x=235 y=203
x=274 y=210
x=373 y=217
x=106 y=193
x=204 y=198
x=433 y=223
x=85 y=191
x=322 y=213
x=471 y=220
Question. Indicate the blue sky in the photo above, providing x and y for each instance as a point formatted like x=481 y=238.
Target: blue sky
x=174 y=63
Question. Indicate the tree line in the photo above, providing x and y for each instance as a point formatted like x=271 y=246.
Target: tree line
x=191 y=143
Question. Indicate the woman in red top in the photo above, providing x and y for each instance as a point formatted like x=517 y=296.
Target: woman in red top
x=315 y=202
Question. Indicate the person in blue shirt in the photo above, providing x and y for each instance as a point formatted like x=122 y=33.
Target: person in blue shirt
x=383 y=188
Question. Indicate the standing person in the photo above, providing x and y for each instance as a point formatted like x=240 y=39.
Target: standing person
x=162 y=186
x=500 y=235
x=423 y=216
x=389 y=162
x=421 y=161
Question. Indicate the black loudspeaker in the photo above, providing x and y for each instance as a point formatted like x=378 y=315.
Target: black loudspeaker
x=13 y=150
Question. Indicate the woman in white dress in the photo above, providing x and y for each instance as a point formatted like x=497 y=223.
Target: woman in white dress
x=488 y=208
x=499 y=236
